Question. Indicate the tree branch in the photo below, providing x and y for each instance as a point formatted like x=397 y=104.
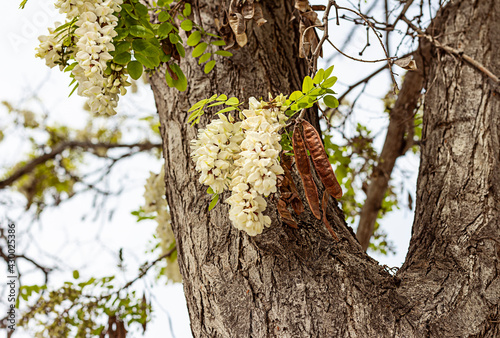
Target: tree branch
x=453 y=51
x=85 y=145
x=394 y=146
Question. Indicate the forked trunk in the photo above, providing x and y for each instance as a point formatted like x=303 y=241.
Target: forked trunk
x=301 y=283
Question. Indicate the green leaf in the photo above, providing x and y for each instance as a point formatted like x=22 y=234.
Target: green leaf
x=163 y=16
x=76 y=274
x=187 y=25
x=174 y=38
x=224 y=53
x=141 y=32
x=307 y=85
x=216 y=104
x=187 y=10
x=73 y=90
x=328 y=72
x=141 y=9
x=194 y=38
x=199 y=49
x=180 y=49
x=218 y=43
x=233 y=101
x=181 y=82
x=121 y=47
x=296 y=95
x=222 y=97
x=21 y=6
x=210 y=191
x=329 y=82
x=164 y=29
x=319 y=76
x=331 y=101
x=122 y=34
x=204 y=58
x=145 y=60
x=225 y=110
x=146 y=48
x=198 y=104
x=129 y=9
x=123 y=58
x=317 y=91
x=135 y=69
x=195 y=115
x=209 y=66
x=214 y=201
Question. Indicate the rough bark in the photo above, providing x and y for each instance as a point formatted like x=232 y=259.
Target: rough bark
x=454 y=249
x=301 y=283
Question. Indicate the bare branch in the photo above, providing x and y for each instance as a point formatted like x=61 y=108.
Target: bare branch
x=401 y=118
x=453 y=51
x=28 y=167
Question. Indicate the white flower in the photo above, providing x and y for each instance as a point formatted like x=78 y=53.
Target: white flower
x=214 y=150
x=94 y=34
x=155 y=202
x=243 y=156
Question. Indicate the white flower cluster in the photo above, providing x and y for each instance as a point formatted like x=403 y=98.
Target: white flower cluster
x=250 y=167
x=214 y=152
x=95 y=22
x=155 y=202
x=55 y=49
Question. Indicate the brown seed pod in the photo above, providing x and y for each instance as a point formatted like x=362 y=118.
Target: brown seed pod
x=297 y=204
x=320 y=160
x=302 y=161
x=286 y=216
x=324 y=205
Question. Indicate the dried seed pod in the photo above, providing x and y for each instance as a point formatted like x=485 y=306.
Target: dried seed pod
x=294 y=199
x=320 y=160
x=286 y=216
x=288 y=176
x=297 y=204
x=258 y=16
x=302 y=161
x=324 y=205
x=302 y=5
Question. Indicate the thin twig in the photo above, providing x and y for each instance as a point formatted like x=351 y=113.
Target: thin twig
x=479 y=66
x=28 y=167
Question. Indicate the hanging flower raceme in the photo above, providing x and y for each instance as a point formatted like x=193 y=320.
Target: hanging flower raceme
x=155 y=202
x=243 y=157
x=215 y=150
x=90 y=30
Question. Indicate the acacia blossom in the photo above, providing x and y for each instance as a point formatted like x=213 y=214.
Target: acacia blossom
x=215 y=150
x=251 y=170
x=155 y=202
x=91 y=44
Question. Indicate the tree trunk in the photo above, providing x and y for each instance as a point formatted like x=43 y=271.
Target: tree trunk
x=301 y=283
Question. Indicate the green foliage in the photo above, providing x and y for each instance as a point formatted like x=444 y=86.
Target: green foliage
x=197 y=110
x=141 y=44
x=82 y=309
x=214 y=201
x=150 y=45
x=142 y=215
x=313 y=90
